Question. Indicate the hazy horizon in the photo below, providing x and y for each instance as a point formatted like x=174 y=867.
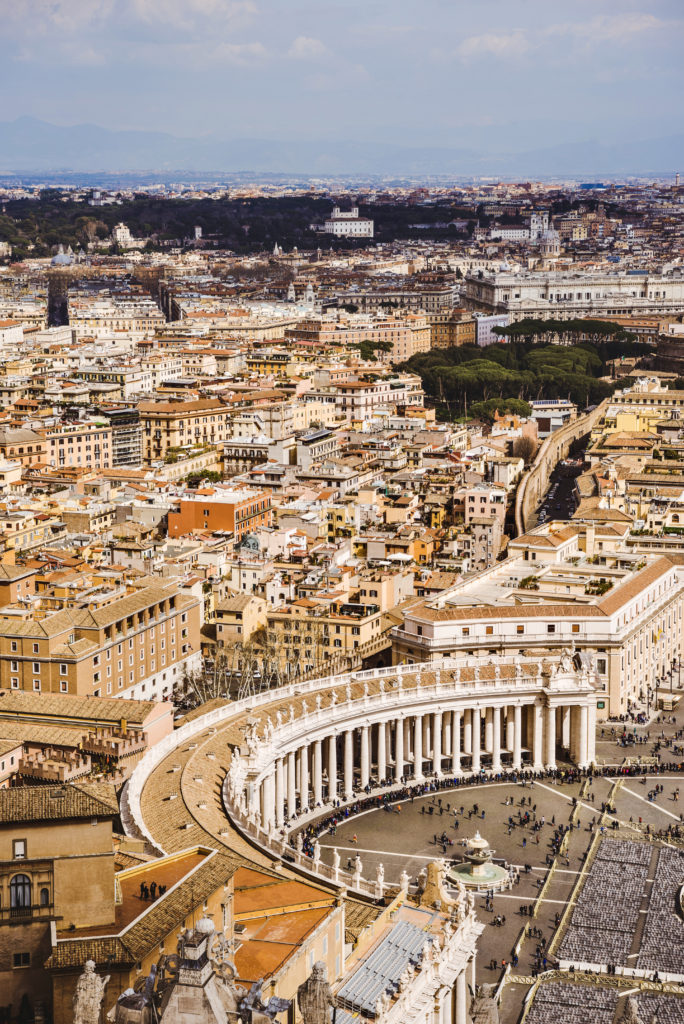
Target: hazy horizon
x=492 y=76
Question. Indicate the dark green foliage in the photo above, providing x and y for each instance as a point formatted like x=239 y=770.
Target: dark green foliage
x=486 y=410
x=368 y=349
x=240 y=225
x=463 y=377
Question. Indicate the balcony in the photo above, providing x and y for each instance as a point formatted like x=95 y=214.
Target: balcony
x=21 y=914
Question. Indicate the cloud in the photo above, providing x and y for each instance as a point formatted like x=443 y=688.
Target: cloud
x=617 y=29
x=244 y=54
x=510 y=44
x=608 y=27
x=184 y=14
x=307 y=48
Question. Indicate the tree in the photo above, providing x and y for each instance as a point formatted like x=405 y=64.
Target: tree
x=524 y=448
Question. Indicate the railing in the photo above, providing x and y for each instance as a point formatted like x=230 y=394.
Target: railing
x=388 y=699
x=272 y=844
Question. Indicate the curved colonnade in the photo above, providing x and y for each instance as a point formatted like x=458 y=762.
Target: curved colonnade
x=266 y=764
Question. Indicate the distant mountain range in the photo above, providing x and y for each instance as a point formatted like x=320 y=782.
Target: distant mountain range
x=29 y=145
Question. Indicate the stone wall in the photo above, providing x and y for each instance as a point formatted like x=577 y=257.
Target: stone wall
x=555 y=447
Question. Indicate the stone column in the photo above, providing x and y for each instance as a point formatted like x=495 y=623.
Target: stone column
x=510 y=729
x=270 y=802
x=382 y=750
x=365 y=757
x=332 y=768
x=437 y=742
x=407 y=739
x=565 y=728
x=461 y=999
x=280 y=793
x=349 y=764
x=398 y=750
x=418 y=747
x=427 y=736
x=291 y=785
x=468 y=733
x=496 y=739
x=456 y=743
x=476 y=739
x=304 y=776
x=517 y=736
x=317 y=773
x=550 y=738
x=447 y=733
x=582 y=758
x=591 y=733
x=489 y=730
x=538 y=719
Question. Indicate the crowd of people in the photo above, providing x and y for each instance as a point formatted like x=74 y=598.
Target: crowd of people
x=391 y=800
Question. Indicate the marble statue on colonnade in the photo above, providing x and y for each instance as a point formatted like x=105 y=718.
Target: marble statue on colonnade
x=315 y=997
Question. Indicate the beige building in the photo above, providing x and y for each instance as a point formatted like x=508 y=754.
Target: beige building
x=80 y=444
x=136 y=645
x=166 y=425
x=309 y=634
x=238 y=617
x=56 y=868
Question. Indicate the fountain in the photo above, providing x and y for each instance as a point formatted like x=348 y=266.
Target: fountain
x=477 y=870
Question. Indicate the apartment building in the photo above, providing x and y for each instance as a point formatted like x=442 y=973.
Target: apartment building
x=308 y=633
x=111 y=643
x=355 y=399
x=407 y=334
x=22 y=445
x=233 y=510
x=80 y=444
x=167 y=425
x=448 y=329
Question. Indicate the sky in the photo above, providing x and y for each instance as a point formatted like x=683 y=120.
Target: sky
x=517 y=74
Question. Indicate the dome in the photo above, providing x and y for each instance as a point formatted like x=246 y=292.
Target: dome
x=62 y=259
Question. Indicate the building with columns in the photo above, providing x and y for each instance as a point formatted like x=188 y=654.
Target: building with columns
x=252 y=771
x=562 y=586
x=405 y=724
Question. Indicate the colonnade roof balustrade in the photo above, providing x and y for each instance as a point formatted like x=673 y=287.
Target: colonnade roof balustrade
x=243 y=775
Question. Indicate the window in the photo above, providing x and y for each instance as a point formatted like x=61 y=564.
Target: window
x=551 y=628
x=20 y=892
x=14 y=665
x=575 y=627
x=45 y=897
x=19 y=849
x=466 y=631
x=14 y=682
x=489 y=630
x=36 y=648
x=14 y=646
x=36 y=684
x=63 y=686
x=520 y=629
x=63 y=669
x=21 y=960
x=36 y=667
